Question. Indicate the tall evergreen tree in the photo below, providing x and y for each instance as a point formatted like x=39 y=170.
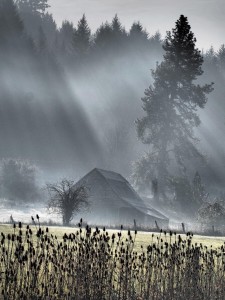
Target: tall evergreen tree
x=103 y=37
x=50 y=30
x=221 y=57
x=117 y=26
x=119 y=34
x=138 y=39
x=155 y=45
x=66 y=35
x=82 y=38
x=137 y=32
x=170 y=105
x=210 y=61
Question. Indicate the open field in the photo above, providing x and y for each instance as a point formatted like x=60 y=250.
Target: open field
x=142 y=238
x=82 y=263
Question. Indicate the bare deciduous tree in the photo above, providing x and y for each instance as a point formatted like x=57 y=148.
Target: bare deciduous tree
x=67 y=200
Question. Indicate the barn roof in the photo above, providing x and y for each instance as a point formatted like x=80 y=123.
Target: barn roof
x=110 y=175
x=123 y=190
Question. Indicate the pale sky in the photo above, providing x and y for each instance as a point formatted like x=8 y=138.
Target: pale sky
x=206 y=17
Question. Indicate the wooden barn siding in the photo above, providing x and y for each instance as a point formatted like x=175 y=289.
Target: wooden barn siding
x=104 y=204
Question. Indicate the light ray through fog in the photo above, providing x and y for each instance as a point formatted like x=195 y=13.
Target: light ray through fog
x=100 y=92
x=43 y=119
x=70 y=108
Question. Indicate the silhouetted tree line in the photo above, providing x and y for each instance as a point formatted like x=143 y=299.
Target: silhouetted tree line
x=76 y=44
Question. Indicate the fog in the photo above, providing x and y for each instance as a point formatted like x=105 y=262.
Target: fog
x=68 y=105
x=58 y=117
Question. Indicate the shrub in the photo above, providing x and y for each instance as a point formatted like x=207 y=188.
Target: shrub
x=18 y=180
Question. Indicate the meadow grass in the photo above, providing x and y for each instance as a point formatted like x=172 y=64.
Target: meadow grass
x=142 y=238
x=92 y=264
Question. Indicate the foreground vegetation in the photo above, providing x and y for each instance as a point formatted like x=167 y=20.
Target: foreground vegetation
x=96 y=264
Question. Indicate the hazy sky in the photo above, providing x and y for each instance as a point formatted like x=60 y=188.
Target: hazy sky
x=205 y=16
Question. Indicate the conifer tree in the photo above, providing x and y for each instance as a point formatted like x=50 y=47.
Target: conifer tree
x=155 y=45
x=119 y=34
x=210 y=60
x=103 y=37
x=66 y=35
x=137 y=32
x=117 y=26
x=81 y=39
x=221 y=57
x=170 y=107
x=138 y=39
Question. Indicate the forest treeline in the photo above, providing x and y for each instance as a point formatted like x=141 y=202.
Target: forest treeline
x=44 y=69
x=70 y=96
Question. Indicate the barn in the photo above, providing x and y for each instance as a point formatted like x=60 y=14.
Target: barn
x=113 y=201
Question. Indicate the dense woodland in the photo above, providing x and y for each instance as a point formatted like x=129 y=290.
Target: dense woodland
x=70 y=98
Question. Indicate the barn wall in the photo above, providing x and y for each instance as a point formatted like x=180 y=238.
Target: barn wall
x=127 y=216
x=104 y=204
